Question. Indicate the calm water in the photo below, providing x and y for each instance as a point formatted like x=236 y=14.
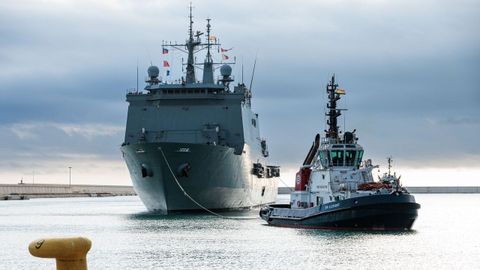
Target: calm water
x=446 y=236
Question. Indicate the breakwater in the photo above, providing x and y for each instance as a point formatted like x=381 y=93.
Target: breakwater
x=26 y=191
x=439 y=190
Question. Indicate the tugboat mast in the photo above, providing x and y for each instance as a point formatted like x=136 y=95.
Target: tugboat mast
x=333 y=97
x=389 y=159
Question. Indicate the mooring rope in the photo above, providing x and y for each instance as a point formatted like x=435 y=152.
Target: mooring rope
x=192 y=199
x=291 y=189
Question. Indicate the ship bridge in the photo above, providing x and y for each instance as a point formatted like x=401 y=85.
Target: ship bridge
x=341 y=155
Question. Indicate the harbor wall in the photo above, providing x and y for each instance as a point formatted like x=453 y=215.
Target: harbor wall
x=440 y=190
x=19 y=191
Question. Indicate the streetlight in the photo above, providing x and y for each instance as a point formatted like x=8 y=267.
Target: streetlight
x=69 y=176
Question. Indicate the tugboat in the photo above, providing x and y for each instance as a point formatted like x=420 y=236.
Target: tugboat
x=389 y=178
x=335 y=189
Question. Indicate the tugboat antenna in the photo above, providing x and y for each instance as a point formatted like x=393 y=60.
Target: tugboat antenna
x=137 y=74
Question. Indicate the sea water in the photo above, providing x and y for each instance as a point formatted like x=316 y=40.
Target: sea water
x=445 y=236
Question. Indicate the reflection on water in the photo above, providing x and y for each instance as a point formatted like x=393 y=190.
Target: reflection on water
x=125 y=236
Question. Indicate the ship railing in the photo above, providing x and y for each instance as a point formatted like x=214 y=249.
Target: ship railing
x=326 y=140
x=184 y=136
x=191 y=136
x=349 y=186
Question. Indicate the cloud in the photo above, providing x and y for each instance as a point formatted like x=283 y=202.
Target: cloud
x=409 y=68
x=23 y=131
x=27 y=131
x=90 y=131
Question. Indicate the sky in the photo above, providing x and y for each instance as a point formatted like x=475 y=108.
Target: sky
x=411 y=70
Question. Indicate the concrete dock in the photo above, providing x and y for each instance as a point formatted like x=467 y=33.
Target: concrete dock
x=26 y=191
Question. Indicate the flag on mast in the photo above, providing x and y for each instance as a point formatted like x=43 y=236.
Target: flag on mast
x=225 y=57
x=164 y=50
x=166 y=64
x=340 y=91
x=225 y=50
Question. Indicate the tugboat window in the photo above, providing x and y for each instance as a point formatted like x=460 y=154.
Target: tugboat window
x=323 y=158
x=350 y=157
x=337 y=157
x=359 y=158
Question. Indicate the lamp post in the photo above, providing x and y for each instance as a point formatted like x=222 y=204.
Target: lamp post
x=69 y=176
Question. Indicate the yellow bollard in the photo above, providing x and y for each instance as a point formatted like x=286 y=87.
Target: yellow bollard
x=70 y=253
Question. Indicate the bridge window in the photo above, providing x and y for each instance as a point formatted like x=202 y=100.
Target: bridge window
x=350 y=157
x=337 y=157
x=359 y=158
x=323 y=158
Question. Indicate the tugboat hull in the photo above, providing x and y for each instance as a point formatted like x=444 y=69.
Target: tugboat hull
x=376 y=212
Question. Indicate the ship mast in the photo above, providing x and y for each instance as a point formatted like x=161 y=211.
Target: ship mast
x=190 y=48
x=333 y=113
x=389 y=159
x=208 y=64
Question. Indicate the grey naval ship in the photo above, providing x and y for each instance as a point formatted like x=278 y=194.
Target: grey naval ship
x=191 y=144
x=335 y=189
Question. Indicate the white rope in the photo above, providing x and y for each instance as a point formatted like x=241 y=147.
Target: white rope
x=193 y=200
x=291 y=189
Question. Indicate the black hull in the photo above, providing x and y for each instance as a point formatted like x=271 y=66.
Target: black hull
x=379 y=212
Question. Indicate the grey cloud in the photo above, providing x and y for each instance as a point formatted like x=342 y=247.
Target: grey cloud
x=409 y=68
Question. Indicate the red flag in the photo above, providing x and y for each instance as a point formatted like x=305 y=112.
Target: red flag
x=225 y=50
x=225 y=57
x=166 y=64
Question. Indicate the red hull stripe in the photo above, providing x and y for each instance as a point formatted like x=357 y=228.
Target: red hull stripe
x=338 y=228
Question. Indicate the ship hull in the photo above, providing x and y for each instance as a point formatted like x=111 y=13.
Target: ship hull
x=217 y=178
x=376 y=212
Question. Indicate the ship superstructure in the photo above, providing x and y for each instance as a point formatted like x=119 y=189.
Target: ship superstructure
x=199 y=136
x=335 y=189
